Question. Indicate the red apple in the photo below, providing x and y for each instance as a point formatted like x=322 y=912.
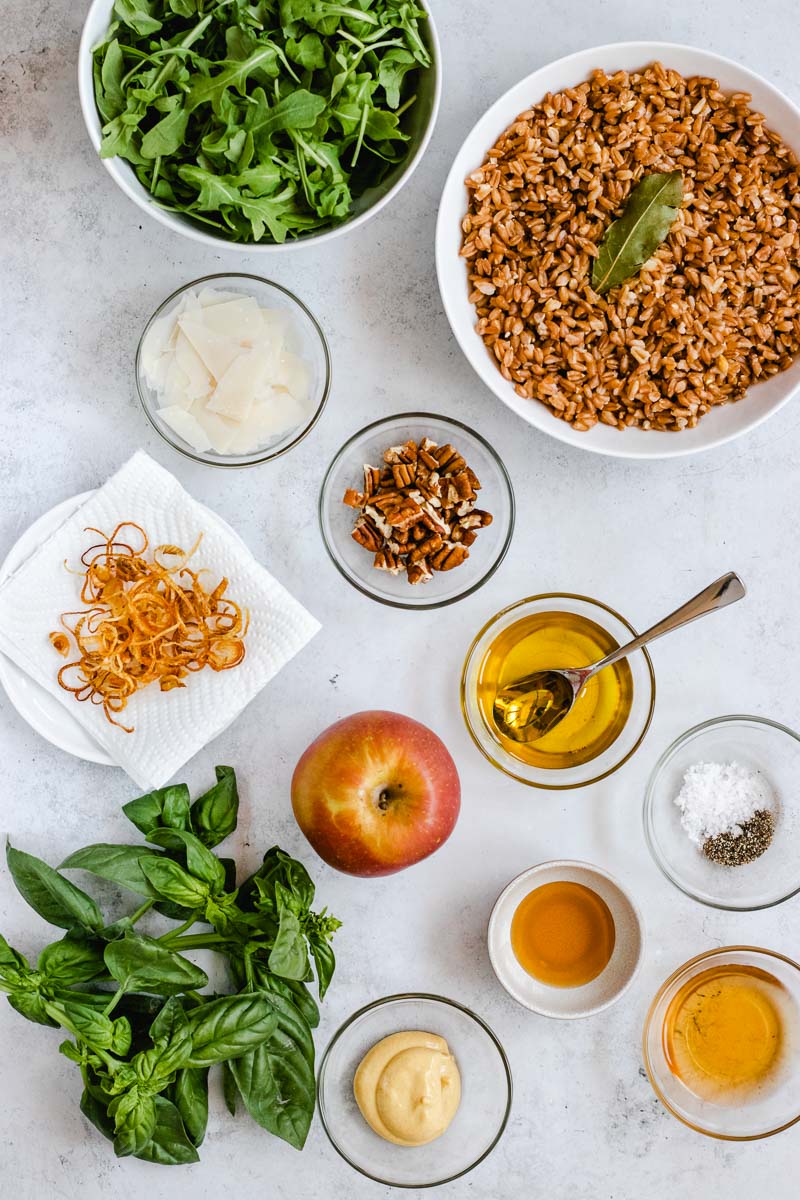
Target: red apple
x=375 y=793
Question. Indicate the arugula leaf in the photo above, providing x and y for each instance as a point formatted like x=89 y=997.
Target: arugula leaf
x=310 y=95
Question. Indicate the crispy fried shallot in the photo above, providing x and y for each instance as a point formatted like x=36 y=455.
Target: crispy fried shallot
x=146 y=619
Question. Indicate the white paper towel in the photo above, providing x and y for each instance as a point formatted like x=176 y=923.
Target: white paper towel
x=169 y=727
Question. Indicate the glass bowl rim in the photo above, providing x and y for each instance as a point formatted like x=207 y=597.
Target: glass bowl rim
x=691 y=962
x=379 y=1003
x=391 y=602
x=647 y=810
x=557 y=787
x=259 y=457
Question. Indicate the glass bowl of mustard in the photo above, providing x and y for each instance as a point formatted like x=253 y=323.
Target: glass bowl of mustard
x=375 y=1072
x=722 y=1043
x=609 y=718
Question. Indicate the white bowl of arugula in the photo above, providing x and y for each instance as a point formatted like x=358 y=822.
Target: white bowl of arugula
x=259 y=125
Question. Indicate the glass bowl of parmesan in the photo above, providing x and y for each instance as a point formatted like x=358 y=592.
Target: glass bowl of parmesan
x=233 y=370
x=722 y=813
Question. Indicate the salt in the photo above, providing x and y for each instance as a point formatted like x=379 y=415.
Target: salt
x=717 y=798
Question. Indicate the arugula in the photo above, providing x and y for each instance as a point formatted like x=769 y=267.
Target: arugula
x=141 y=1032
x=265 y=119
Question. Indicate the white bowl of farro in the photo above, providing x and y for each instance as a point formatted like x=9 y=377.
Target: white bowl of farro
x=700 y=344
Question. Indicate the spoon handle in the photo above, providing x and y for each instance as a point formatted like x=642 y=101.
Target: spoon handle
x=724 y=591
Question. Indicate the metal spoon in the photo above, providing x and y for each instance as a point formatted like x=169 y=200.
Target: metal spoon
x=531 y=707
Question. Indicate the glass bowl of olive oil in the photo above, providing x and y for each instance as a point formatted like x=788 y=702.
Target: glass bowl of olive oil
x=610 y=716
x=722 y=1043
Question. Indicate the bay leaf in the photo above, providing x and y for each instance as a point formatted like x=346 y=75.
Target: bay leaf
x=632 y=239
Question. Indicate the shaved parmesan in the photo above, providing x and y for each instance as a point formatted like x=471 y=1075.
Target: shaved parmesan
x=224 y=374
x=199 y=381
x=186 y=426
x=238 y=319
x=217 y=352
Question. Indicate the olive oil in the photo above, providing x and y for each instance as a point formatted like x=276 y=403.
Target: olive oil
x=725 y=1033
x=559 y=639
x=563 y=934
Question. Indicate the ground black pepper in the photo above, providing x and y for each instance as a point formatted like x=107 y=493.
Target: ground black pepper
x=735 y=849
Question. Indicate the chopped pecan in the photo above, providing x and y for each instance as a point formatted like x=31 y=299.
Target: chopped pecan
x=372 y=480
x=449 y=556
x=417 y=510
x=423 y=549
x=449 y=460
x=463 y=487
x=419 y=572
x=404 y=474
x=366 y=534
x=385 y=560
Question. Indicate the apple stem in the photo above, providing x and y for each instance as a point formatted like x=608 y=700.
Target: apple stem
x=383 y=800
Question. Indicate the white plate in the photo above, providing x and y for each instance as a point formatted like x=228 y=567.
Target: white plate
x=44 y=712
x=721 y=425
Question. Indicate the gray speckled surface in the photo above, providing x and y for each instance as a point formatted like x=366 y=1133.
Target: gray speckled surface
x=83 y=270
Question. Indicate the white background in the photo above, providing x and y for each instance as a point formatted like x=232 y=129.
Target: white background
x=83 y=271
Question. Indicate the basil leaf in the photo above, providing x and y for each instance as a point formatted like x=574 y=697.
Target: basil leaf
x=170 y=882
x=276 y=1083
x=190 y=1097
x=50 y=895
x=634 y=237
x=289 y=957
x=172 y=1043
x=229 y=1090
x=96 y=1112
x=169 y=1143
x=214 y=815
x=134 y=1122
x=200 y=862
x=136 y=961
x=72 y=960
x=324 y=961
x=164 y=806
x=30 y=1004
x=119 y=864
x=13 y=966
x=228 y=1027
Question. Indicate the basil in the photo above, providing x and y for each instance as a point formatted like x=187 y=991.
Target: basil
x=142 y=1033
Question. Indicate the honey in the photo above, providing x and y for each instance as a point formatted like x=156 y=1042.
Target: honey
x=725 y=1033
x=558 y=639
x=563 y=934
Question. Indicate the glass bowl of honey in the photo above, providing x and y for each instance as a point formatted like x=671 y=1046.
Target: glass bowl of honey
x=610 y=716
x=721 y=1043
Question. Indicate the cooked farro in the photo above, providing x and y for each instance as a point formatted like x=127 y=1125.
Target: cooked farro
x=717 y=307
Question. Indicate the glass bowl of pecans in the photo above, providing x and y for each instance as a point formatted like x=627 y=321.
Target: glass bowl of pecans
x=416 y=510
